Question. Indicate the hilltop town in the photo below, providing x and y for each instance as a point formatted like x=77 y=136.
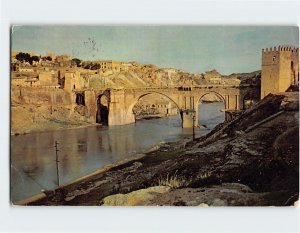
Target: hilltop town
x=52 y=70
x=48 y=88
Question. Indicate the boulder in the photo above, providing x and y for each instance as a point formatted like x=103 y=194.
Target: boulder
x=135 y=198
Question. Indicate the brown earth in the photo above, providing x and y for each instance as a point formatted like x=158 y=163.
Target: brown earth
x=238 y=163
x=33 y=118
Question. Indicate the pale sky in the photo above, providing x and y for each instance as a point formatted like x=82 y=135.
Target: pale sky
x=196 y=49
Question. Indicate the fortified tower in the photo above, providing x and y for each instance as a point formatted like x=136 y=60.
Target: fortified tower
x=280 y=69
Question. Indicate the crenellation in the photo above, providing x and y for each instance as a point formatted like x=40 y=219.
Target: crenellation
x=279 y=49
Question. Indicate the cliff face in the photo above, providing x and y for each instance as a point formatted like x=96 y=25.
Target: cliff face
x=253 y=160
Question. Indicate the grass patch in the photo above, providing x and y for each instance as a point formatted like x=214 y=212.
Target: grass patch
x=173 y=181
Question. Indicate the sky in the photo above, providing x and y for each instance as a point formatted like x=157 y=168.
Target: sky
x=196 y=49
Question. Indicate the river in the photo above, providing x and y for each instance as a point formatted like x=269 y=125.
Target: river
x=84 y=150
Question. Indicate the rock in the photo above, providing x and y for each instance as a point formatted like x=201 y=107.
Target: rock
x=227 y=194
x=296 y=203
x=219 y=202
x=203 y=205
x=135 y=198
x=238 y=187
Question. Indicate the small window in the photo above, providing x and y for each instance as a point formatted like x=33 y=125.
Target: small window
x=274 y=57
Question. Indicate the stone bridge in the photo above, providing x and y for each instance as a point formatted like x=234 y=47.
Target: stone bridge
x=118 y=103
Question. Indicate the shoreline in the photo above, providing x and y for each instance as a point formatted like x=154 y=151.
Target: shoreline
x=58 y=129
x=98 y=171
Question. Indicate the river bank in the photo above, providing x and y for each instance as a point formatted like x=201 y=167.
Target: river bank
x=251 y=161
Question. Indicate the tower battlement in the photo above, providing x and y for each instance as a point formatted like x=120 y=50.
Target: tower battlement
x=280 y=49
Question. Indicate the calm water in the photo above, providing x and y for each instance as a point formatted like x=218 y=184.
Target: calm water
x=82 y=151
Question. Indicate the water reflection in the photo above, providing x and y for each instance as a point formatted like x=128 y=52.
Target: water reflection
x=82 y=151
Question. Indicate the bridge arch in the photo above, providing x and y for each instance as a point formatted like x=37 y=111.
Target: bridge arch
x=102 y=113
x=129 y=112
x=198 y=109
x=221 y=97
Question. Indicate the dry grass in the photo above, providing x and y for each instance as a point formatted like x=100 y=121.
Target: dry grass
x=205 y=175
x=173 y=181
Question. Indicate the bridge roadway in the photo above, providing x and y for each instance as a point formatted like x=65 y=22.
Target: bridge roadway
x=186 y=99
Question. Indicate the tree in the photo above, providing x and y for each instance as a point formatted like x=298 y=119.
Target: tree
x=34 y=58
x=23 y=57
x=49 y=58
x=76 y=61
x=86 y=65
x=95 y=66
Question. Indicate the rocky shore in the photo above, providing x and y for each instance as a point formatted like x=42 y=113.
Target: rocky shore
x=250 y=161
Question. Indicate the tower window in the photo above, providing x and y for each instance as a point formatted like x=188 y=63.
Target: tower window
x=274 y=57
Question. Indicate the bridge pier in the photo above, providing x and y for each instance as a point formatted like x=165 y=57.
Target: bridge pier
x=118 y=115
x=118 y=110
x=188 y=116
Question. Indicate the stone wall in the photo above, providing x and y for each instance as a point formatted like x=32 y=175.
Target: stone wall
x=42 y=95
x=48 y=78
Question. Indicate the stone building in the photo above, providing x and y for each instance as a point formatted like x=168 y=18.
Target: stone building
x=213 y=76
x=63 y=58
x=26 y=69
x=49 y=79
x=25 y=82
x=74 y=81
x=110 y=65
x=125 y=66
x=280 y=69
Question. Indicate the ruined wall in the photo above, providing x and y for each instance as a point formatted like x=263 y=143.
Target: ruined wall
x=24 y=82
x=48 y=79
x=42 y=95
x=69 y=81
x=74 y=81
